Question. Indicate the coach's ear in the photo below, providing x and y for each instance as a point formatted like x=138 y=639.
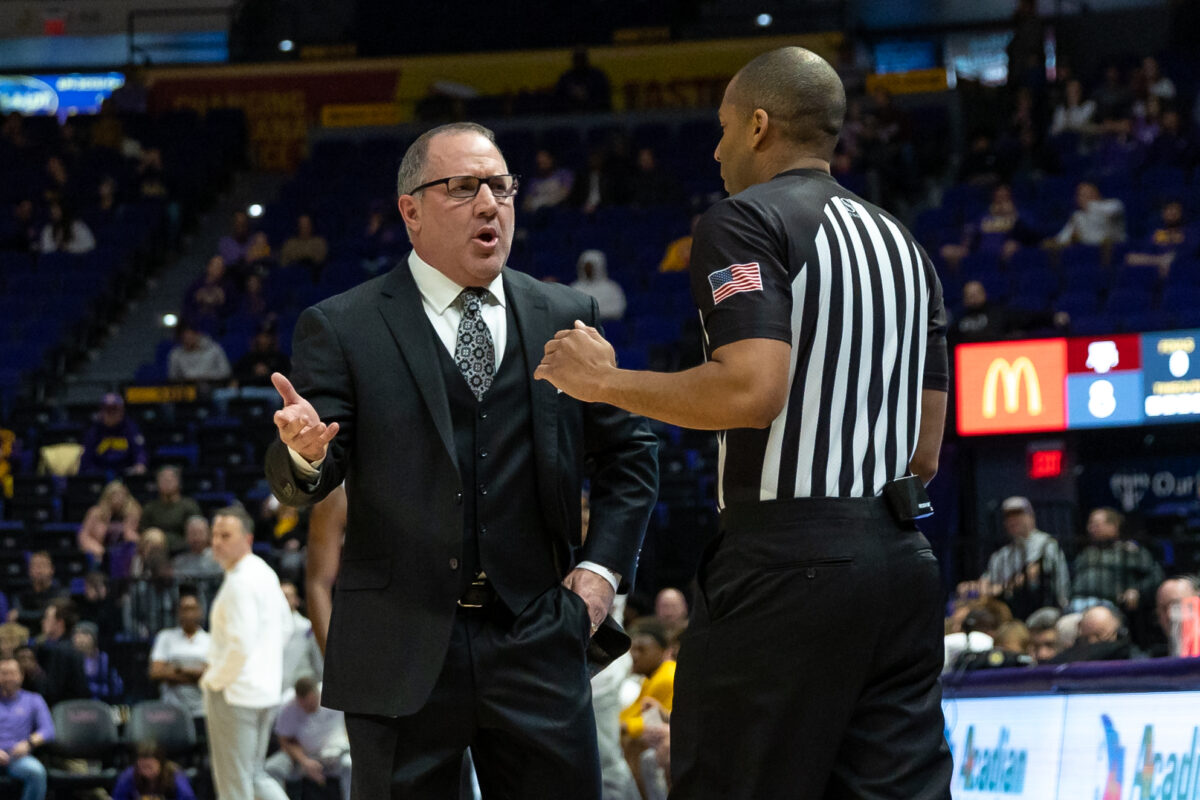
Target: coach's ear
x=410 y=212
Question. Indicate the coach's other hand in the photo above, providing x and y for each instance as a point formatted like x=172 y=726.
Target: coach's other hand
x=577 y=361
x=299 y=426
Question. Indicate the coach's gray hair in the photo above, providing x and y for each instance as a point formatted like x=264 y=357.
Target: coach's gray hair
x=412 y=167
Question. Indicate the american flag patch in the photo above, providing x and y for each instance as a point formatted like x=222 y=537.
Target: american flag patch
x=734 y=280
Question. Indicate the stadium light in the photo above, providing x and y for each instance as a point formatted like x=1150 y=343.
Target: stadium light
x=255 y=210
x=286 y=46
x=764 y=20
x=170 y=320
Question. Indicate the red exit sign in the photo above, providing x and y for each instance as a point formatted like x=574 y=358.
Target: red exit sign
x=1045 y=464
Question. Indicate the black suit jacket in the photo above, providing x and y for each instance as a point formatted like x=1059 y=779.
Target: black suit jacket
x=367 y=360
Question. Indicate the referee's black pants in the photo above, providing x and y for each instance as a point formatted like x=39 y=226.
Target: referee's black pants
x=810 y=667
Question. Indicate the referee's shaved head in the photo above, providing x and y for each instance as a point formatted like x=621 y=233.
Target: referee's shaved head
x=800 y=92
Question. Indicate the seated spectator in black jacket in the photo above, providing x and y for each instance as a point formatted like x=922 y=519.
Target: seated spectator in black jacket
x=650 y=185
x=97 y=607
x=1173 y=147
x=583 y=87
x=169 y=511
x=66 y=678
x=29 y=605
x=263 y=358
x=1172 y=238
x=102 y=678
x=113 y=443
x=1103 y=636
x=210 y=298
x=20 y=231
x=984 y=321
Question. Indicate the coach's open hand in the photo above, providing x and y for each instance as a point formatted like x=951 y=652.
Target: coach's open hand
x=577 y=361
x=299 y=426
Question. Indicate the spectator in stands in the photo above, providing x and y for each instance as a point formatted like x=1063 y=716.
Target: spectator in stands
x=152 y=601
x=583 y=87
x=1028 y=573
x=112 y=523
x=1074 y=114
x=592 y=269
x=242 y=686
x=648 y=649
x=301 y=656
x=108 y=208
x=96 y=607
x=170 y=511
x=65 y=678
x=1167 y=241
x=102 y=678
x=678 y=257
x=30 y=604
x=1157 y=85
x=25 y=724
x=1043 y=634
x=1112 y=97
x=975 y=632
x=253 y=302
x=210 y=298
x=20 y=233
x=984 y=321
x=65 y=233
x=1013 y=637
x=59 y=185
x=12 y=636
x=381 y=235
x=152 y=777
x=179 y=657
x=152 y=543
x=981 y=163
x=1027 y=49
x=264 y=357
x=1168 y=599
x=650 y=185
x=602 y=182
x=197 y=358
x=35 y=676
x=1097 y=221
x=1173 y=146
x=113 y=443
x=232 y=247
x=305 y=247
x=550 y=185
x=1110 y=570
x=197 y=562
x=1102 y=637
x=312 y=741
x=671 y=608
x=259 y=260
x=999 y=232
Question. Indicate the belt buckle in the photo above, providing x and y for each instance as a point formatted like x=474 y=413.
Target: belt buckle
x=478 y=584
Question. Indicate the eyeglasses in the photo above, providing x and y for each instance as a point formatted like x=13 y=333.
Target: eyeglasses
x=465 y=187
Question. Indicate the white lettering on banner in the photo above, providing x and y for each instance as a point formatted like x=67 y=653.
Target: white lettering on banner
x=1173 y=405
x=1129 y=488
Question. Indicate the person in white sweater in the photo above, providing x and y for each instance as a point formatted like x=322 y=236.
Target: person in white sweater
x=242 y=686
x=197 y=357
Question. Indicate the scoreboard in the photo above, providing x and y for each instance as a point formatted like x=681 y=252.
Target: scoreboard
x=1044 y=385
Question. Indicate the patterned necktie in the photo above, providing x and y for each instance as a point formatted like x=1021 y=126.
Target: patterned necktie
x=474 y=351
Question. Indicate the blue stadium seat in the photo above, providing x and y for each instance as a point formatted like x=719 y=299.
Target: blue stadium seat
x=1078 y=303
x=1128 y=301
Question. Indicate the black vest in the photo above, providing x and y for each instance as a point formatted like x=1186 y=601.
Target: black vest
x=503 y=530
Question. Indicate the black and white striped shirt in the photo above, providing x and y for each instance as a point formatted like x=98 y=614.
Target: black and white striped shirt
x=802 y=260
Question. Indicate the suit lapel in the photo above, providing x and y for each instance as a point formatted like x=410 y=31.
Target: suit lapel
x=536 y=328
x=400 y=305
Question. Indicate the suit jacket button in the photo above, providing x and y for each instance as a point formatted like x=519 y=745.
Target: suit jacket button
x=289 y=490
x=458 y=498
x=454 y=563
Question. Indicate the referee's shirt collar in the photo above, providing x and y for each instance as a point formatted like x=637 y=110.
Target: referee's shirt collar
x=439 y=292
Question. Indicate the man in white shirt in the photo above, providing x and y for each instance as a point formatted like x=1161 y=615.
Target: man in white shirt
x=312 y=741
x=179 y=657
x=250 y=622
x=301 y=656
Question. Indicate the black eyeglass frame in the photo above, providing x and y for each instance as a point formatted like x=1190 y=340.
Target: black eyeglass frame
x=516 y=183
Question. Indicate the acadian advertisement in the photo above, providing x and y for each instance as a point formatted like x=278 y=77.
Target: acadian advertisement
x=1132 y=747
x=1005 y=747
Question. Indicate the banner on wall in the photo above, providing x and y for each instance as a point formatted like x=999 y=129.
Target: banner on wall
x=1004 y=747
x=281 y=101
x=1140 y=484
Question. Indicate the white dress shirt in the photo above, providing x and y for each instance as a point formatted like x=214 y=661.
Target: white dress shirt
x=251 y=620
x=438 y=296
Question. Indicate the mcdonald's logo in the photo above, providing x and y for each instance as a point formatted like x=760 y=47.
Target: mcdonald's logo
x=1005 y=378
x=1011 y=387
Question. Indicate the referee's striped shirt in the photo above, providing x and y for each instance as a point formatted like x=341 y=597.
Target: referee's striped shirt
x=803 y=260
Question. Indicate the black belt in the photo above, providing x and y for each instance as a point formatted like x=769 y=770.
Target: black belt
x=480 y=594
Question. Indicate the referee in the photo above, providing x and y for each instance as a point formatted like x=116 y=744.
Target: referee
x=810 y=667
